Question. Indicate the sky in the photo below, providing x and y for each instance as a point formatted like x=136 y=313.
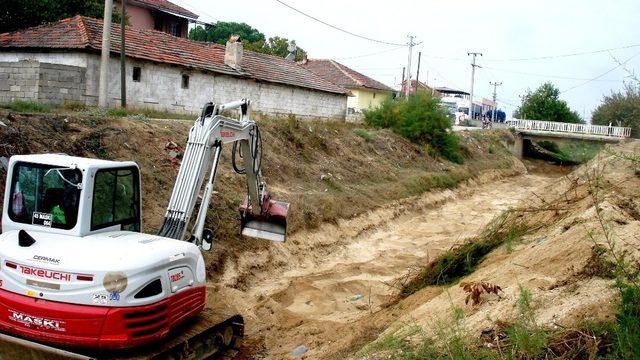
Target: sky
x=508 y=34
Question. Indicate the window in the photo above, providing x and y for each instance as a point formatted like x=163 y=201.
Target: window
x=116 y=199
x=45 y=195
x=174 y=29
x=136 y=73
x=185 y=81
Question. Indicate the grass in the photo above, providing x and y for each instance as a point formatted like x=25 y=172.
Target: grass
x=139 y=113
x=363 y=134
x=26 y=106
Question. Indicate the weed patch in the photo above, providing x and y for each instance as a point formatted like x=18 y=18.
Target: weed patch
x=364 y=134
x=93 y=144
x=27 y=106
x=462 y=260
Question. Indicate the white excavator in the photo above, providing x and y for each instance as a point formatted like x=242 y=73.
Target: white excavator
x=78 y=277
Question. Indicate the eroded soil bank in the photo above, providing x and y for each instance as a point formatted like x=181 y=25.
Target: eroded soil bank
x=335 y=280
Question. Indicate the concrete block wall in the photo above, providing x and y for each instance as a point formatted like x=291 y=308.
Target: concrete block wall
x=19 y=81
x=61 y=84
x=31 y=80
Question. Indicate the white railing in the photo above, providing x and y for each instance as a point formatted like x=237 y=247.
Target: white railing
x=551 y=126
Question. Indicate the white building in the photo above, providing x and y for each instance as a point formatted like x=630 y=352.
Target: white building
x=59 y=62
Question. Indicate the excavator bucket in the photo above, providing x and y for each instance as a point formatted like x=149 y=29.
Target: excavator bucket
x=270 y=224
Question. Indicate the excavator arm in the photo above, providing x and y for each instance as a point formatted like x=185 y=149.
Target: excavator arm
x=260 y=216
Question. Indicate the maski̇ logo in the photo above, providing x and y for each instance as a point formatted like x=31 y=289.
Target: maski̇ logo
x=36 y=321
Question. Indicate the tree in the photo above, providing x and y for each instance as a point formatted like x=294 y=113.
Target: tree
x=20 y=14
x=221 y=31
x=620 y=109
x=252 y=39
x=545 y=104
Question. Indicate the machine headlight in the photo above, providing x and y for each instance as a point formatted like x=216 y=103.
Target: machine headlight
x=115 y=281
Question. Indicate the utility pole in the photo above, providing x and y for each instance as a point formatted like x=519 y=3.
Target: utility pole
x=418 y=72
x=402 y=82
x=123 y=73
x=410 y=44
x=495 y=99
x=473 y=73
x=104 y=59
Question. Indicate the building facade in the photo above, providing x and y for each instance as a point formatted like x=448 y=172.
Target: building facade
x=160 y=15
x=162 y=73
x=366 y=93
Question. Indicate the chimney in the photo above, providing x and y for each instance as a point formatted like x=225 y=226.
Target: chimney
x=233 y=52
x=292 y=48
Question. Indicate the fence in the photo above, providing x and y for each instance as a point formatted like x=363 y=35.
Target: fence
x=551 y=126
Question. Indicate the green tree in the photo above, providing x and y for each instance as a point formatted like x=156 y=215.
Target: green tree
x=545 y=104
x=20 y=14
x=620 y=109
x=252 y=39
x=419 y=119
x=221 y=31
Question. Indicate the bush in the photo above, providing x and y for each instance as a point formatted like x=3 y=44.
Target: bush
x=420 y=120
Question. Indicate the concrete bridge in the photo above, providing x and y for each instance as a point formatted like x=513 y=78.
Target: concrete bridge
x=538 y=130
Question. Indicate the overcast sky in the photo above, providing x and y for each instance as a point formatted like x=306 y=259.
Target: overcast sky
x=448 y=29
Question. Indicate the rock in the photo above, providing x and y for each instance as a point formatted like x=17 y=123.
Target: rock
x=299 y=351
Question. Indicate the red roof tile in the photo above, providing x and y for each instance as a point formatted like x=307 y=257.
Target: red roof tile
x=86 y=33
x=164 y=5
x=343 y=76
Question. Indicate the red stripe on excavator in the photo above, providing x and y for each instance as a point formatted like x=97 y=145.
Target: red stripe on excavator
x=96 y=327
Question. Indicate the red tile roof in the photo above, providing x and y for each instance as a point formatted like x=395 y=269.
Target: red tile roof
x=165 y=6
x=343 y=76
x=85 y=34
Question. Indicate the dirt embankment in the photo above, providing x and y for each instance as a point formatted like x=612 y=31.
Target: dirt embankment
x=327 y=171
x=566 y=263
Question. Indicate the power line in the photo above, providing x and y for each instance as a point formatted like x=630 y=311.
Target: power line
x=337 y=28
x=601 y=75
x=371 y=54
x=567 y=55
x=545 y=75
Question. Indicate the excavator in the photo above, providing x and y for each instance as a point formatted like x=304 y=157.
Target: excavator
x=79 y=278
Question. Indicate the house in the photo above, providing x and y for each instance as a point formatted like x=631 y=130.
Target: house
x=449 y=92
x=59 y=62
x=418 y=86
x=160 y=15
x=487 y=105
x=367 y=92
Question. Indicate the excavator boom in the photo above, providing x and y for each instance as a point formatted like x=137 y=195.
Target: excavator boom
x=261 y=216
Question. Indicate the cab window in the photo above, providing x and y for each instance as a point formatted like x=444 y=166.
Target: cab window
x=45 y=195
x=116 y=199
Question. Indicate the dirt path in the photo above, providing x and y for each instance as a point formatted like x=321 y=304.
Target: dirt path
x=351 y=281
